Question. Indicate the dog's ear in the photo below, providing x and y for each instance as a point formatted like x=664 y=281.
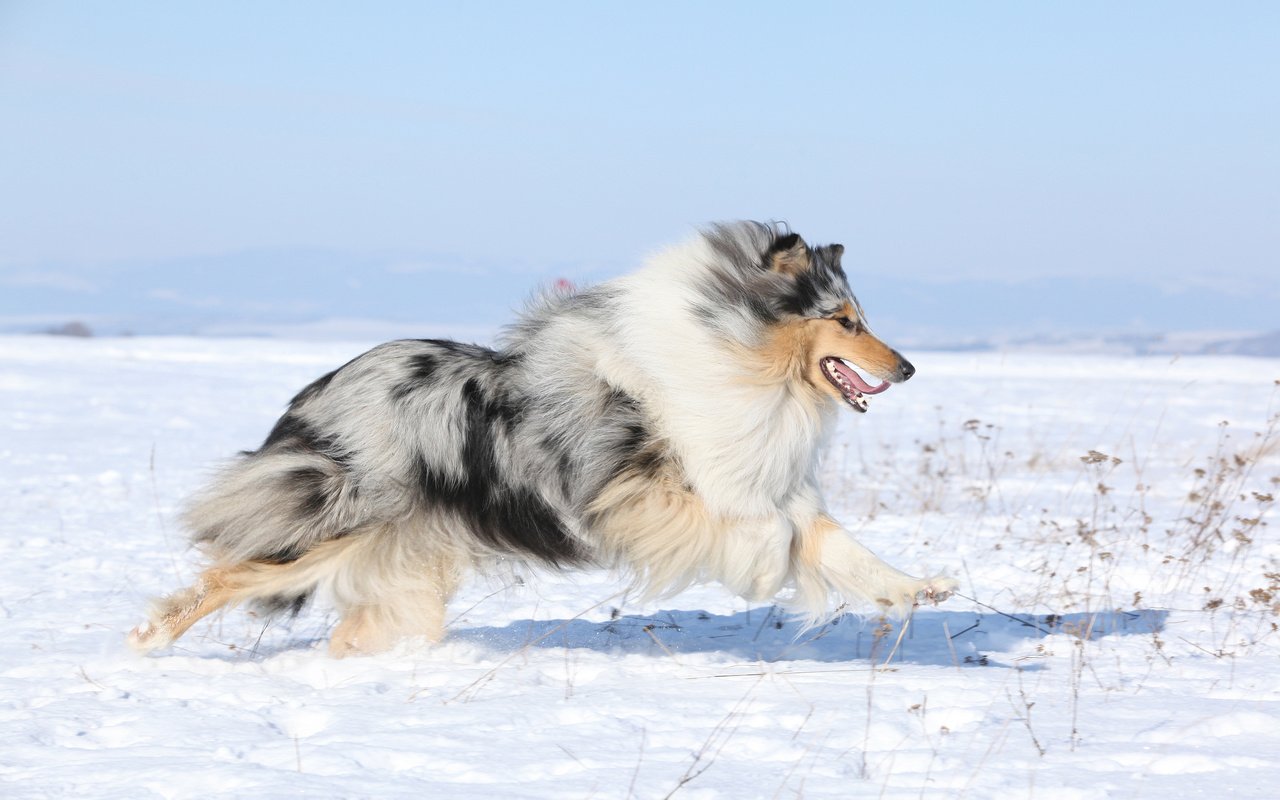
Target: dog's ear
x=789 y=255
x=836 y=250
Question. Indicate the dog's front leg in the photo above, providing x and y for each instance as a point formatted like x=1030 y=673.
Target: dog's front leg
x=826 y=558
x=753 y=559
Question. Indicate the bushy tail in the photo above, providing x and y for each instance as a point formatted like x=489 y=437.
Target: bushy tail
x=274 y=507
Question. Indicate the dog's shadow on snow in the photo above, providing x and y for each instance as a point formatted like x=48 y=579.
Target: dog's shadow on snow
x=766 y=634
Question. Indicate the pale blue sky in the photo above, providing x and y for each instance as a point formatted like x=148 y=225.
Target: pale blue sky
x=937 y=141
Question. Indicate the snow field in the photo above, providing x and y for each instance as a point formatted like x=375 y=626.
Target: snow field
x=1116 y=638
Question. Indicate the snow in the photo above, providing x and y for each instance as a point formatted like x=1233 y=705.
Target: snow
x=1105 y=644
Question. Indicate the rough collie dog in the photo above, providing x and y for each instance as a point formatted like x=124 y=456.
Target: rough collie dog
x=667 y=423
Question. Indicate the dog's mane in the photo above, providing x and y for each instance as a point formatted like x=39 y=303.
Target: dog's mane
x=672 y=336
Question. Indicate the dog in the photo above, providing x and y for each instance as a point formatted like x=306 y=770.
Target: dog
x=667 y=423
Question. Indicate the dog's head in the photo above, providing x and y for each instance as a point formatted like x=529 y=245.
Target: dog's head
x=808 y=325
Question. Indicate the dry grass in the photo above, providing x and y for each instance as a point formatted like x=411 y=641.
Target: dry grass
x=1100 y=533
x=1105 y=536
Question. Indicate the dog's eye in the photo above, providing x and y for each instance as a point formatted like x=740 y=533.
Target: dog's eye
x=849 y=324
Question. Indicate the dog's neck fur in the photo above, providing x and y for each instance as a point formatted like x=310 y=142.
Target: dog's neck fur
x=720 y=416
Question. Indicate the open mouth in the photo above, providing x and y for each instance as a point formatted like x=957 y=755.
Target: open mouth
x=851 y=385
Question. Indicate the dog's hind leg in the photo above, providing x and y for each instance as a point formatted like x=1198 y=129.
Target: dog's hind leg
x=392 y=590
x=382 y=582
x=376 y=625
x=825 y=557
x=231 y=584
x=171 y=616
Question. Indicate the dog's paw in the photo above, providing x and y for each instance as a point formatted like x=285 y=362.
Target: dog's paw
x=147 y=637
x=936 y=590
x=911 y=593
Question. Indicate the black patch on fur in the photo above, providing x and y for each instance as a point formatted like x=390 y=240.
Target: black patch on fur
x=278 y=604
x=289 y=429
x=311 y=486
x=780 y=244
x=284 y=555
x=634 y=437
x=619 y=402
x=483 y=411
x=651 y=461
x=824 y=283
x=804 y=294
x=422 y=369
x=292 y=434
x=502 y=513
x=638 y=451
x=312 y=491
x=623 y=412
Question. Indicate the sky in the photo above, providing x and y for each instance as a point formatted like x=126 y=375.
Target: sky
x=146 y=148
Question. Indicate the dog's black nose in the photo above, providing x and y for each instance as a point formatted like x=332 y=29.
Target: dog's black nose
x=906 y=369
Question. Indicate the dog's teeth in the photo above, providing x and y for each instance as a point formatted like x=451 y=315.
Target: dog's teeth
x=851 y=394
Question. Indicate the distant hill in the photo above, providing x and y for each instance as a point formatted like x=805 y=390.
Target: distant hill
x=1267 y=344
x=1184 y=343
x=325 y=293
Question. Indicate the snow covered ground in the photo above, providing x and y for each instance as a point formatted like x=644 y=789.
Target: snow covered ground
x=1117 y=636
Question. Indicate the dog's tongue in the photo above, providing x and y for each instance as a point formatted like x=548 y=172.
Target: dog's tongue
x=857 y=381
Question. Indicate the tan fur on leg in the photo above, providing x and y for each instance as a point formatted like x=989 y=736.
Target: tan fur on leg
x=418 y=610
x=354 y=634
x=826 y=559
x=171 y=616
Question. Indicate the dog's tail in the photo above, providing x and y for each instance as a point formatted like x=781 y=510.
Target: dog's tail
x=275 y=507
